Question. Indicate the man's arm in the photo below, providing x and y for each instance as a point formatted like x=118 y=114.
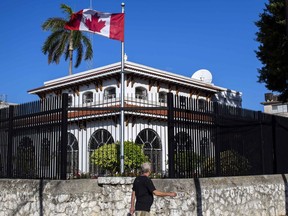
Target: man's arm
x=162 y=194
x=132 y=208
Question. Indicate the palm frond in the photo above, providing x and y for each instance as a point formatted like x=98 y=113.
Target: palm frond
x=51 y=53
x=76 y=38
x=53 y=24
x=57 y=44
x=51 y=40
x=79 y=56
x=66 y=54
x=66 y=9
x=61 y=45
x=88 y=46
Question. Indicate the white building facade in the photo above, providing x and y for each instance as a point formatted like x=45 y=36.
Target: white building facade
x=273 y=106
x=144 y=87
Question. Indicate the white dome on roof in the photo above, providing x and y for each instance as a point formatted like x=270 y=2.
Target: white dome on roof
x=203 y=75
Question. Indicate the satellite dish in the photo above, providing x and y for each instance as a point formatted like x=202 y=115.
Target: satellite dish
x=203 y=75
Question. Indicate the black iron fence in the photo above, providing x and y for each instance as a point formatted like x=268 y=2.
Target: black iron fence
x=182 y=137
x=33 y=139
x=94 y=135
x=210 y=139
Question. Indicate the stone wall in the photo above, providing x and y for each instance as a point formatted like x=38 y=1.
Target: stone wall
x=251 y=195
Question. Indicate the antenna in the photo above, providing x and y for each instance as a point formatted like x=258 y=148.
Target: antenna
x=203 y=75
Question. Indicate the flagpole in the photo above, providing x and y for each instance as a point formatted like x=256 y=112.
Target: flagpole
x=122 y=134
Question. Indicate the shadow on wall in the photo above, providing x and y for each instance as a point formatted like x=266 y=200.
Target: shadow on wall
x=198 y=196
x=41 y=197
x=286 y=192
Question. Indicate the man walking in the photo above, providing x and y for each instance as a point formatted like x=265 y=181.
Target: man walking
x=143 y=190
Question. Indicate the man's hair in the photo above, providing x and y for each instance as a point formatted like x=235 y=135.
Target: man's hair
x=146 y=167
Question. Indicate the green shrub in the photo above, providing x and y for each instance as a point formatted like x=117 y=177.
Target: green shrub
x=108 y=157
x=231 y=163
x=185 y=161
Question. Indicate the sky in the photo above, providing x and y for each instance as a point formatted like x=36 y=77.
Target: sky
x=177 y=36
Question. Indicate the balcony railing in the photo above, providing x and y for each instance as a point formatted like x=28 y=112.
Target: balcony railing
x=109 y=96
x=141 y=96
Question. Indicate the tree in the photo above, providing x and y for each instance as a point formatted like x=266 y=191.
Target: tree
x=63 y=41
x=108 y=157
x=273 y=48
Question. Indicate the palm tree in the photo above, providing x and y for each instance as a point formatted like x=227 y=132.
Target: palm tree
x=63 y=41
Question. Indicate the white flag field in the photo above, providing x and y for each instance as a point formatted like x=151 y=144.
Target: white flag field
x=109 y=25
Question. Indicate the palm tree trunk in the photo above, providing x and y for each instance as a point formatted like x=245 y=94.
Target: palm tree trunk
x=70 y=53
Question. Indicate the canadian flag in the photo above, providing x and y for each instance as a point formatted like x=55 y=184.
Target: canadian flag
x=105 y=24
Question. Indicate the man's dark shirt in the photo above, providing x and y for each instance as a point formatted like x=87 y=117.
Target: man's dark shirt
x=143 y=187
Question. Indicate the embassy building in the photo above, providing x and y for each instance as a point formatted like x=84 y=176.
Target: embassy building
x=143 y=87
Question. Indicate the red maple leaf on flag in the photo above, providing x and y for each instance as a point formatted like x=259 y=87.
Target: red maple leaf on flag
x=95 y=24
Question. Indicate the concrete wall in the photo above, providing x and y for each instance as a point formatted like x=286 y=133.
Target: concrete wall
x=254 y=195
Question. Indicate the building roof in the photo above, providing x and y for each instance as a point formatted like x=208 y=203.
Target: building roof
x=94 y=75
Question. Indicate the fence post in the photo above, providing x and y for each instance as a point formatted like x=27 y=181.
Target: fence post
x=217 y=136
x=64 y=137
x=10 y=143
x=274 y=124
x=260 y=119
x=170 y=119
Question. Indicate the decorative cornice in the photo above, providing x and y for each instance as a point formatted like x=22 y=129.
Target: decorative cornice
x=155 y=76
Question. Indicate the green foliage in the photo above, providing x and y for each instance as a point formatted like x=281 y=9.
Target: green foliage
x=231 y=163
x=187 y=163
x=108 y=157
x=273 y=48
x=133 y=155
x=64 y=42
x=187 y=160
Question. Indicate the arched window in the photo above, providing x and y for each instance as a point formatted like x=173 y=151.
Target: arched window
x=87 y=97
x=183 y=142
x=185 y=158
x=152 y=147
x=109 y=93
x=25 y=159
x=72 y=154
x=141 y=93
x=163 y=97
x=98 y=138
